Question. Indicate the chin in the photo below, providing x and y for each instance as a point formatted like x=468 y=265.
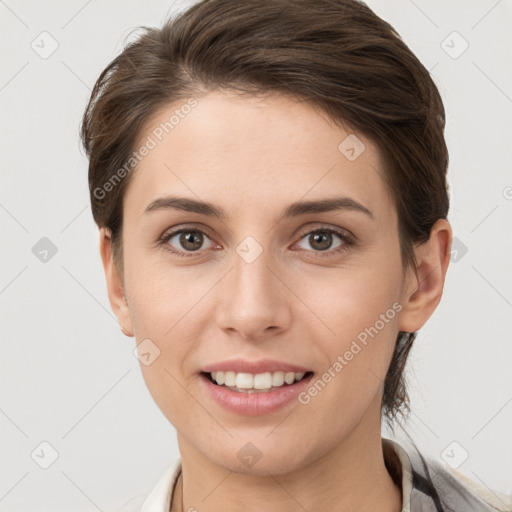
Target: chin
x=258 y=458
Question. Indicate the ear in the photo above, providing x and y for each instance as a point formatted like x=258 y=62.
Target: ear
x=115 y=285
x=423 y=289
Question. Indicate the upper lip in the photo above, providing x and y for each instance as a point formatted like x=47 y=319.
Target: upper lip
x=254 y=367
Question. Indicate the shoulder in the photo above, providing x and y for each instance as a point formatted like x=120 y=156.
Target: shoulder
x=455 y=490
x=493 y=498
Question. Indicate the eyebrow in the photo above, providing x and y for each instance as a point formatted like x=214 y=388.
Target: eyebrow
x=293 y=210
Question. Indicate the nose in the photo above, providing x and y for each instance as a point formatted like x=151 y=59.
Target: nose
x=253 y=303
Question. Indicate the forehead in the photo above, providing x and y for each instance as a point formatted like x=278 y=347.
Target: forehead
x=246 y=152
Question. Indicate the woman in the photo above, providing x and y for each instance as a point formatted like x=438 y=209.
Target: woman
x=269 y=181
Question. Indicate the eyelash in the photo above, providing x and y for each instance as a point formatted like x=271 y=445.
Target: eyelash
x=347 y=240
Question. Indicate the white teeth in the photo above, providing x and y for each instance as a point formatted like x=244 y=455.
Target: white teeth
x=229 y=378
x=259 y=381
x=262 y=381
x=244 y=381
x=277 y=379
x=289 y=377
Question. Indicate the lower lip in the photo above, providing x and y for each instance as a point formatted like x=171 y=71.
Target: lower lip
x=254 y=404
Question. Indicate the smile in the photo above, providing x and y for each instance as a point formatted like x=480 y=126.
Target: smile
x=255 y=383
x=254 y=394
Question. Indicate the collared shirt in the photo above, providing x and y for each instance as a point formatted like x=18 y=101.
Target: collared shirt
x=456 y=492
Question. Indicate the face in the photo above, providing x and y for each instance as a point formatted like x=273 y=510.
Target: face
x=262 y=281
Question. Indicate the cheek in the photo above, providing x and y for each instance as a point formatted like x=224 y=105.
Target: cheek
x=160 y=302
x=354 y=300
x=160 y=296
x=356 y=359
x=359 y=311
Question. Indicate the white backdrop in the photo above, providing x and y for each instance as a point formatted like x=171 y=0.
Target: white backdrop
x=69 y=378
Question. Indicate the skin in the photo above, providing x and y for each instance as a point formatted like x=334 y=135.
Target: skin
x=253 y=156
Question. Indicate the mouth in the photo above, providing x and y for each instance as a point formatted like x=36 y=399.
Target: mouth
x=254 y=388
x=256 y=383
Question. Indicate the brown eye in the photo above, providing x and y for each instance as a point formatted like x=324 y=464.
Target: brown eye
x=185 y=242
x=320 y=241
x=191 y=240
x=323 y=239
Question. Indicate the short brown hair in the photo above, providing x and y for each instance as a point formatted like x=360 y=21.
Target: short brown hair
x=336 y=54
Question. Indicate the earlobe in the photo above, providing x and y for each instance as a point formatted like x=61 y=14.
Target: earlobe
x=423 y=289
x=114 y=283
